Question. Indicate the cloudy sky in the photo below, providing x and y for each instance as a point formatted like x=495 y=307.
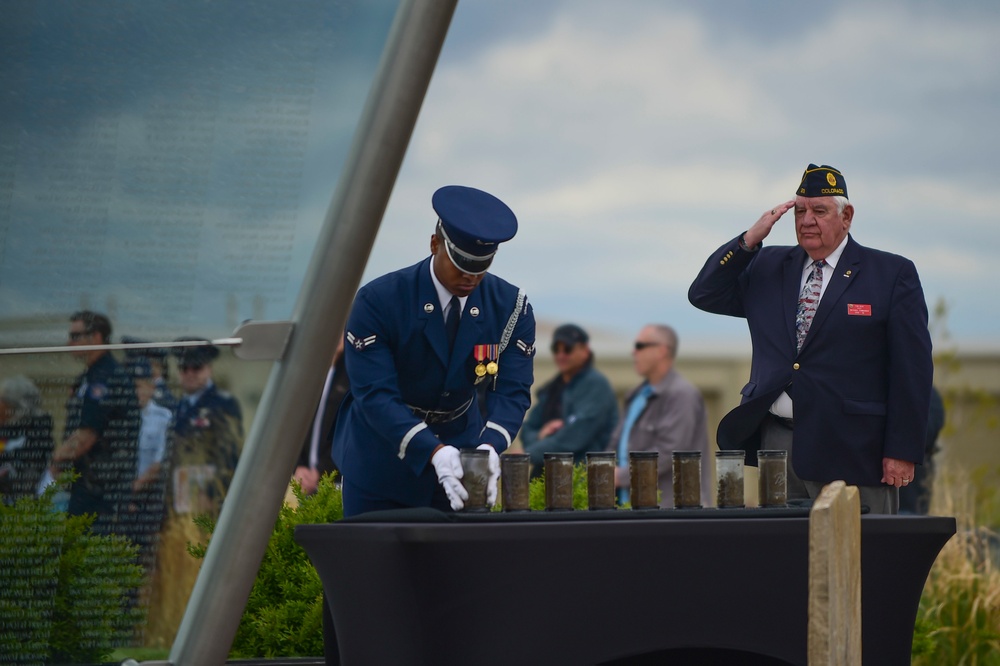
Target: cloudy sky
x=633 y=138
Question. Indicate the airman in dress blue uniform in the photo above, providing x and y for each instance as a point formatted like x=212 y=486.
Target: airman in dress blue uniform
x=416 y=399
x=207 y=435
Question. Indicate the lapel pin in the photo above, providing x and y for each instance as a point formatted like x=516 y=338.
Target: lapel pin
x=474 y=311
x=428 y=307
x=848 y=273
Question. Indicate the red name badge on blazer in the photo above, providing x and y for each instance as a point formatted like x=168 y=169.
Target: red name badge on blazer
x=859 y=309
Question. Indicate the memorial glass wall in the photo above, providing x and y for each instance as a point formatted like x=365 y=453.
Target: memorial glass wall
x=166 y=164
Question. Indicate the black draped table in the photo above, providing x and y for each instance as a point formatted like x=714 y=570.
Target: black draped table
x=694 y=586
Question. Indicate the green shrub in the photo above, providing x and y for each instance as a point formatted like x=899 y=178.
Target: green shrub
x=66 y=595
x=284 y=613
x=536 y=490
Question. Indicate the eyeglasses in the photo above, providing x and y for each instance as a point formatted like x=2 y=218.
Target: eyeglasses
x=639 y=346
x=76 y=335
x=191 y=367
x=561 y=348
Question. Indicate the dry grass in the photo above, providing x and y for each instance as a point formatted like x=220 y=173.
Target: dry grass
x=958 y=623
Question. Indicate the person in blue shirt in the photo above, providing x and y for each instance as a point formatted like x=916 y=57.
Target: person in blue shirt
x=439 y=358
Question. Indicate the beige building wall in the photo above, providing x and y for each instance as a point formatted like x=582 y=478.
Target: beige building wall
x=970 y=383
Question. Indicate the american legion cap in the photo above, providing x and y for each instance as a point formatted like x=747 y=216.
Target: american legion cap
x=473 y=224
x=822 y=181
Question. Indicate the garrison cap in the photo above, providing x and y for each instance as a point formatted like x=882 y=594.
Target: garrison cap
x=195 y=356
x=473 y=224
x=822 y=181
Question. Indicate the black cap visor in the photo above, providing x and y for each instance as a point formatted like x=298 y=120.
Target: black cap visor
x=465 y=262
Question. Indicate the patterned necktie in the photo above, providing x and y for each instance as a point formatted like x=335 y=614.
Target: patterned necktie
x=451 y=321
x=808 y=302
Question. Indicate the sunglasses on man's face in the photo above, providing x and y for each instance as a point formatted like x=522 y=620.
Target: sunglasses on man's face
x=639 y=346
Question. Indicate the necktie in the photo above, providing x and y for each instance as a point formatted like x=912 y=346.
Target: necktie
x=634 y=410
x=808 y=302
x=451 y=322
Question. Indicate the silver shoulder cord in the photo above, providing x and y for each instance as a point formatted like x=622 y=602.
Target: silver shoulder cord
x=508 y=330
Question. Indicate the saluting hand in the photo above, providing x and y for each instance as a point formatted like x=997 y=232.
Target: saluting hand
x=762 y=227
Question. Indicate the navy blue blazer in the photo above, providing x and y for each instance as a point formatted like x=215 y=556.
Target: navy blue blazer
x=397 y=359
x=860 y=385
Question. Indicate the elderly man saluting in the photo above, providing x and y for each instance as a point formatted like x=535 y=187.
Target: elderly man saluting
x=439 y=357
x=841 y=369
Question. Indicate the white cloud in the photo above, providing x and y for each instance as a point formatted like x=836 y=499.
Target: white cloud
x=632 y=139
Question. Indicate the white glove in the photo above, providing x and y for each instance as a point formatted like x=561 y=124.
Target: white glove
x=448 y=465
x=491 y=484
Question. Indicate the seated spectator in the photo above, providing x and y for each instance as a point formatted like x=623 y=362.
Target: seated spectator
x=664 y=413
x=576 y=411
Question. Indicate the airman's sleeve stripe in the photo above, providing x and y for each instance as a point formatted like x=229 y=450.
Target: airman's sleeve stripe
x=409 y=435
x=500 y=429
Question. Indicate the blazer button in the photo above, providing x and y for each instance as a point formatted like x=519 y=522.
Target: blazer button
x=445 y=394
x=795 y=366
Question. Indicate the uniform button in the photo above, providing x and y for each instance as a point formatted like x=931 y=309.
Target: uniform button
x=445 y=394
x=795 y=366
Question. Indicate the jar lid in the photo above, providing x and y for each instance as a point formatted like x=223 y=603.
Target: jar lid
x=515 y=457
x=554 y=455
x=772 y=453
x=601 y=455
x=643 y=454
x=687 y=454
x=731 y=453
x=479 y=453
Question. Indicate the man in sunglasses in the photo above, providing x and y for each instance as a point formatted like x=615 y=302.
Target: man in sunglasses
x=102 y=429
x=205 y=442
x=207 y=434
x=665 y=413
x=439 y=357
x=576 y=411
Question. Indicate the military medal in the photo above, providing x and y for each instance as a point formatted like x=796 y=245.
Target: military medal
x=479 y=351
x=492 y=368
x=493 y=352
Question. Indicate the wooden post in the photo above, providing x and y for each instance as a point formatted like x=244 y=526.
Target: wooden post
x=835 y=577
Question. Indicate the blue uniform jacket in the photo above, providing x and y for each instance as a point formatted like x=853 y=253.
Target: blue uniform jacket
x=861 y=383
x=397 y=358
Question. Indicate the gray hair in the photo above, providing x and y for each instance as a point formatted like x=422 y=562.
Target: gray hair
x=22 y=396
x=669 y=337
